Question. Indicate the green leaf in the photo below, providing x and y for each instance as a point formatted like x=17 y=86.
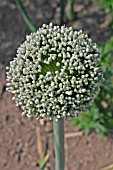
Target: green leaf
x=25 y=15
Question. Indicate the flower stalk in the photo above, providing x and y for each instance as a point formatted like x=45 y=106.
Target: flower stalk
x=58 y=127
x=62 y=7
x=70 y=10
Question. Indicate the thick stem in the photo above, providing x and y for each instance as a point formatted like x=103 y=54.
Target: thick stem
x=62 y=7
x=70 y=10
x=58 y=127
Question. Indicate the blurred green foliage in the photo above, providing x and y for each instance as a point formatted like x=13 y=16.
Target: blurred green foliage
x=107 y=5
x=100 y=115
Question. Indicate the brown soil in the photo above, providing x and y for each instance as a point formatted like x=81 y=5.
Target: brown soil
x=18 y=134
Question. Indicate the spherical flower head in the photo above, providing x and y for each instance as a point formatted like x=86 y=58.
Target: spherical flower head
x=56 y=73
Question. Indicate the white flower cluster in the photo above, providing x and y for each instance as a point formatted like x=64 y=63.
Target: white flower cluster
x=56 y=73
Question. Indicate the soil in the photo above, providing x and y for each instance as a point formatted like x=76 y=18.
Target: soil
x=19 y=135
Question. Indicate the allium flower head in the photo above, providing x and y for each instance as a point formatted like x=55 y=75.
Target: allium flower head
x=56 y=72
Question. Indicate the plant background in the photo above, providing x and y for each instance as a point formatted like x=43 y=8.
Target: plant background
x=18 y=135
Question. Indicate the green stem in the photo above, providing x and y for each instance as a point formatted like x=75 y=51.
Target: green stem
x=70 y=12
x=25 y=15
x=111 y=24
x=62 y=6
x=58 y=127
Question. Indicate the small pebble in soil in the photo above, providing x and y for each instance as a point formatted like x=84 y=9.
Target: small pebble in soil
x=7 y=117
x=5 y=163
